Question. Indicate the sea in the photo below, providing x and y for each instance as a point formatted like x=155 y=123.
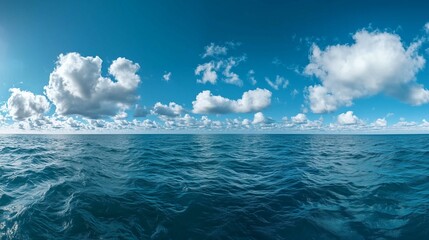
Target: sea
x=214 y=186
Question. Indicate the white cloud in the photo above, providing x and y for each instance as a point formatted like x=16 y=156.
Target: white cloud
x=380 y=122
x=246 y=122
x=251 y=101
x=259 y=118
x=185 y=122
x=404 y=124
x=251 y=77
x=166 y=76
x=377 y=62
x=280 y=82
x=171 y=110
x=233 y=44
x=347 y=118
x=23 y=104
x=300 y=118
x=77 y=87
x=214 y=50
x=209 y=72
x=427 y=27
x=188 y=122
x=231 y=77
x=120 y=115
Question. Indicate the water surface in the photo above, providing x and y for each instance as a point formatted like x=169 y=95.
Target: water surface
x=214 y=187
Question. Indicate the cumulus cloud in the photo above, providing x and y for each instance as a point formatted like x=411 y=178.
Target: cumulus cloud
x=23 y=104
x=171 y=110
x=246 y=122
x=259 y=118
x=77 y=87
x=377 y=62
x=251 y=101
x=300 y=118
x=166 y=76
x=347 y=118
x=427 y=27
x=280 y=82
x=380 y=122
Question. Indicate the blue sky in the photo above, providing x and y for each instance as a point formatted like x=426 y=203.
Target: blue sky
x=250 y=41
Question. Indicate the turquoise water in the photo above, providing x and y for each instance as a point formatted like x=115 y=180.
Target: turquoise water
x=214 y=187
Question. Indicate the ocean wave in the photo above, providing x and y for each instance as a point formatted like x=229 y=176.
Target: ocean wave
x=214 y=187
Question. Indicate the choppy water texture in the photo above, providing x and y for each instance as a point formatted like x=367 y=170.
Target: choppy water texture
x=214 y=187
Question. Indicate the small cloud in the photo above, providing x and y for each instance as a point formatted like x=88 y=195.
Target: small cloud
x=404 y=124
x=300 y=118
x=233 y=44
x=120 y=115
x=427 y=27
x=294 y=93
x=232 y=77
x=347 y=118
x=280 y=82
x=213 y=50
x=246 y=122
x=259 y=118
x=208 y=71
x=251 y=77
x=220 y=64
x=171 y=110
x=380 y=122
x=166 y=76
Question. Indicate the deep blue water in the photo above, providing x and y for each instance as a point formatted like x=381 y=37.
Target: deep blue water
x=214 y=187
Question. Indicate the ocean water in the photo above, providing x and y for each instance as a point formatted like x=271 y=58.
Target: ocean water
x=214 y=187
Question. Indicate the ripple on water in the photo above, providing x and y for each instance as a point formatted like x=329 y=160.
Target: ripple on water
x=214 y=187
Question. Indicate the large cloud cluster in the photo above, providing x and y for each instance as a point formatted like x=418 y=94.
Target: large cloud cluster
x=378 y=62
x=76 y=86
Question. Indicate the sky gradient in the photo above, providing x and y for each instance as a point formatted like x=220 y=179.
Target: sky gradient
x=214 y=66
